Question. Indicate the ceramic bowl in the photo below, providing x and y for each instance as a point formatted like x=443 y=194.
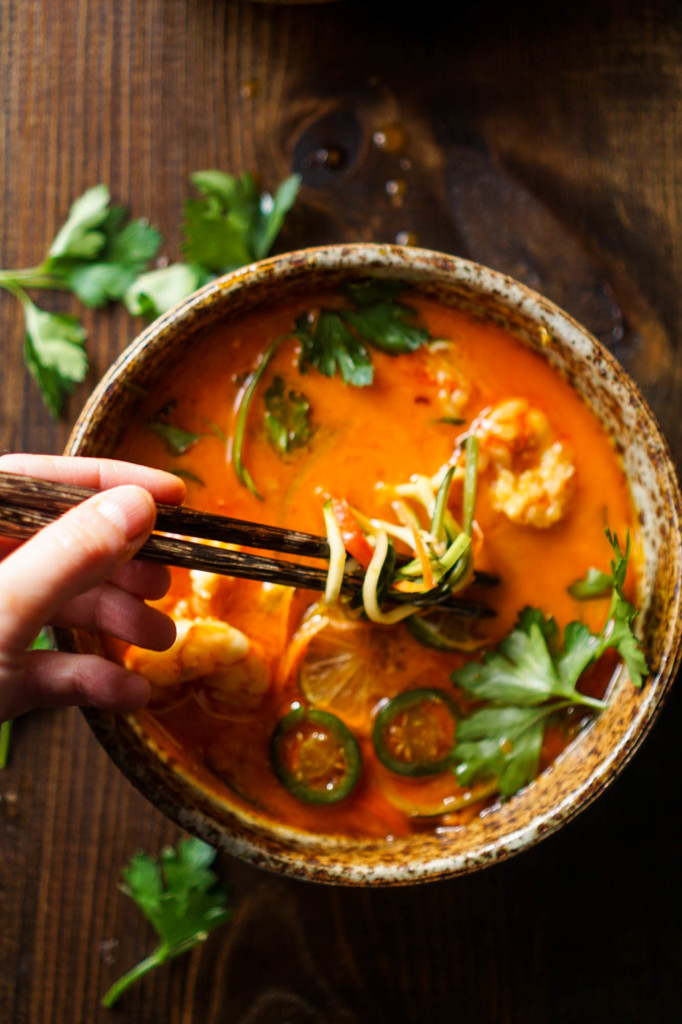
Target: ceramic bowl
x=596 y=756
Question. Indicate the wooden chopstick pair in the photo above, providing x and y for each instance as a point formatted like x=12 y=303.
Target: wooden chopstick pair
x=28 y=504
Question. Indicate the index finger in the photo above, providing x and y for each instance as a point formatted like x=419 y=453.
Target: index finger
x=97 y=473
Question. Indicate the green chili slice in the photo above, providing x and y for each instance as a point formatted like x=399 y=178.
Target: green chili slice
x=414 y=733
x=315 y=756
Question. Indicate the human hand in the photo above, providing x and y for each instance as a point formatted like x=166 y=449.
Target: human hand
x=78 y=572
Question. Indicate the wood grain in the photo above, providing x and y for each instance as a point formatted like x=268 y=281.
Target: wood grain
x=572 y=120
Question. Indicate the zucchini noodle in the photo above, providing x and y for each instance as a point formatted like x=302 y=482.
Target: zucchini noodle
x=337 y=556
x=370 y=583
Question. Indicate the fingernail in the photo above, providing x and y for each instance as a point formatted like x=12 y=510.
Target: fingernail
x=130 y=509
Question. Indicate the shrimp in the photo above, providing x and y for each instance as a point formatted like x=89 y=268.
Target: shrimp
x=533 y=473
x=454 y=390
x=228 y=672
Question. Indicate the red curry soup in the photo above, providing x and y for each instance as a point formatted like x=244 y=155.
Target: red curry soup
x=481 y=507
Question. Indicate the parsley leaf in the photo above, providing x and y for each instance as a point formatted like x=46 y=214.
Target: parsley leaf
x=125 y=252
x=181 y=897
x=338 y=341
x=287 y=417
x=157 y=291
x=176 y=440
x=54 y=353
x=595 y=583
x=331 y=347
x=96 y=255
x=502 y=743
x=531 y=676
x=233 y=223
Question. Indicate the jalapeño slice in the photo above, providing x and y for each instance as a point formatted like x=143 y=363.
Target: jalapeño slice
x=414 y=733
x=315 y=756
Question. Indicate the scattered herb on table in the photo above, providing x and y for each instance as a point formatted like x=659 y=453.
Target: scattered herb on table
x=101 y=256
x=233 y=223
x=529 y=678
x=287 y=417
x=96 y=255
x=182 y=898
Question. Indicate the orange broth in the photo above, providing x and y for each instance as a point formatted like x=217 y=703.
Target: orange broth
x=382 y=433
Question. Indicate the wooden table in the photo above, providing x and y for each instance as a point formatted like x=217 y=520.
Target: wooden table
x=542 y=139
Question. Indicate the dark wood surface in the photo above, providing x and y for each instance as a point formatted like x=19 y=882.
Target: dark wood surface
x=542 y=139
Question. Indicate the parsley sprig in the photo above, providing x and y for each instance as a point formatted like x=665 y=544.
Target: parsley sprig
x=338 y=341
x=96 y=255
x=101 y=256
x=232 y=223
x=180 y=896
x=531 y=677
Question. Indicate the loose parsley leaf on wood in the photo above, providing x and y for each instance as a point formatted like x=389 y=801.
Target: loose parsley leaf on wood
x=287 y=417
x=232 y=224
x=531 y=676
x=182 y=898
x=54 y=352
x=96 y=255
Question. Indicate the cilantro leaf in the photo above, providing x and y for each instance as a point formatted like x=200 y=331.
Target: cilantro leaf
x=502 y=743
x=181 y=897
x=332 y=347
x=77 y=238
x=54 y=353
x=338 y=341
x=233 y=224
x=159 y=290
x=382 y=321
x=287 y=417
x=176 y=440
x=123 y=253
x=594 y=583
x=532 y=675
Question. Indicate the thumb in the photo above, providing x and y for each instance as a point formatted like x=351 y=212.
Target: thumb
x=78 y=551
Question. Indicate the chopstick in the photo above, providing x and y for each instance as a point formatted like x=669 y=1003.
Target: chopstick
x=28 y=504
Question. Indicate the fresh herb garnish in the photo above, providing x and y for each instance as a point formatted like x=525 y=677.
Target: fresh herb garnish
x=330 y=346
x=595 y=583
x=531 y=676
x=231 y=224
x=180 y=896
x=338 y=341
x=176 y=440
x=96 y=255
x=287 y=417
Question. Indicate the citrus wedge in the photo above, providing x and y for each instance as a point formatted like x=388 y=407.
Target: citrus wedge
x=348 y=666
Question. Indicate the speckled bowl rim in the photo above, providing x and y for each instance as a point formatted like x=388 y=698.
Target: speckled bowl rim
x=537 y=811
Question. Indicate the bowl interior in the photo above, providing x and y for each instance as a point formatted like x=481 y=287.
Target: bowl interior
x=595 y=756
